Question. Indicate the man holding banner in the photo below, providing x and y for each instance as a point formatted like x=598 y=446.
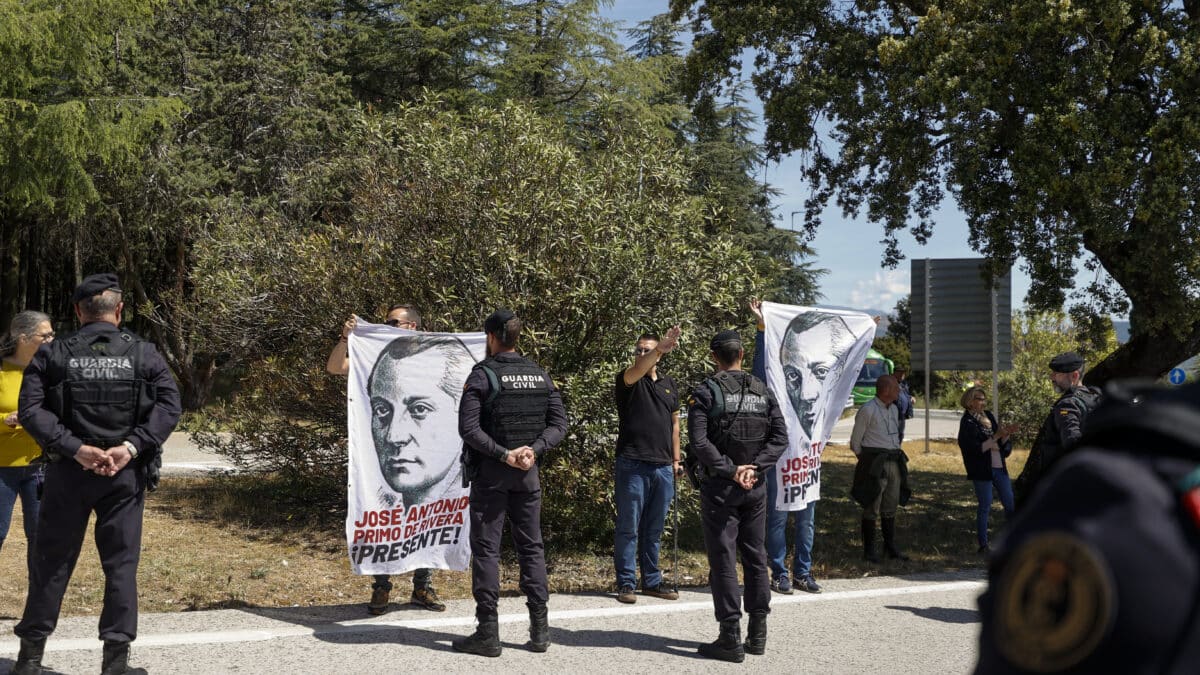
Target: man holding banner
x=810 y=357
x=408 y=318
x=511 y=414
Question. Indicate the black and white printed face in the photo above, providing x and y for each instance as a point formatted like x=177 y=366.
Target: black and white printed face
x=813 y=360
x=414 y=422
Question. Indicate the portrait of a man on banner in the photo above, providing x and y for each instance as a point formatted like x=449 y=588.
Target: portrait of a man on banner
x=813 y=356
x=406 y=504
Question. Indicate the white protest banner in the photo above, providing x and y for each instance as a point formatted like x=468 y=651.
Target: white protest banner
x=407 y=508
x=813 y=356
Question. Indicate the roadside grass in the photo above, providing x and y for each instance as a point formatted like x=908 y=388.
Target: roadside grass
x=235 y=541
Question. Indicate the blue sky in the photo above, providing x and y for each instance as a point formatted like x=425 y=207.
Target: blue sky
x=848 y=248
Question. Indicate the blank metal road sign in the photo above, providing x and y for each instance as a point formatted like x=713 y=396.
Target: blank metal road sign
x=967 y=322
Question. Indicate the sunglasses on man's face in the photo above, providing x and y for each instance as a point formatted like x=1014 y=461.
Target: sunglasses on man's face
x=400 y=323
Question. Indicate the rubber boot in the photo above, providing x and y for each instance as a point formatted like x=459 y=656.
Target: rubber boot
x=116 y=660
x=868 y=537
x=756 y=634
x=29 y=659
x=727 y=646
x=485 y=641
x=889 y=539
x=539 y=627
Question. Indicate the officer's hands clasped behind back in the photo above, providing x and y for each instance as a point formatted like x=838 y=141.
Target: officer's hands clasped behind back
x=521 y=458
x=104 y=462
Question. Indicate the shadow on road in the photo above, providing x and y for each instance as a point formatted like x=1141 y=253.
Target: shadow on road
x=331 y=615
x=320 y=615
x=942 y=614
x=622 y=639
x=6 y=666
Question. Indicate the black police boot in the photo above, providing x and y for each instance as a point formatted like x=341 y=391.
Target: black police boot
x=728 y=646
x=756 y=634
x=485 y=641
x=539 y=627
x=889 y=540
x=116 y=660
x=868 y=537
x=29 y=659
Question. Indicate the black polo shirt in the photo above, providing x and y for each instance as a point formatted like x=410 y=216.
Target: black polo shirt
x=647 y=411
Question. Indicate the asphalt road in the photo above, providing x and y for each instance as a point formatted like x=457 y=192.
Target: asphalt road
x=919 y=624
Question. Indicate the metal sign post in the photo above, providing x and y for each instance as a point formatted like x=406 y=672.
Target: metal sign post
x=995 y=356
x=927 y=369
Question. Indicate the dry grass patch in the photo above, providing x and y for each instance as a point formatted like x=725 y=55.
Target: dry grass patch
x=238 y=541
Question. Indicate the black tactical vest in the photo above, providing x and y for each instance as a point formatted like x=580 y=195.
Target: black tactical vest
x=98 y=393
x=1084 y=400
x=738 y=420
x=514 y=414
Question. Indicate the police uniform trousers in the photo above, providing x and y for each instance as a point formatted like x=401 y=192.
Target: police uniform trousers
x=735 y=521
x=499 y=490
x=70 y=495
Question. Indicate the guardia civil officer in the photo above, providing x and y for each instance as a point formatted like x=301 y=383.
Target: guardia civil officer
x=100 y=403
x=510 y=414
x=1063 y=426
x=1101 y=572
x=737 y=434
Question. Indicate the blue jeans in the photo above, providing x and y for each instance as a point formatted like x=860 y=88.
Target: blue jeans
x=643 y=496
x=20 y=481
x=777 y=536
x=983 y=493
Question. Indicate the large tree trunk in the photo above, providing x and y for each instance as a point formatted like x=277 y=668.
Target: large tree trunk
x=196 y=382
x=10 y=267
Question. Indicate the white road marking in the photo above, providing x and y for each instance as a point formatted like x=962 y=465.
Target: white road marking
x=371 y=624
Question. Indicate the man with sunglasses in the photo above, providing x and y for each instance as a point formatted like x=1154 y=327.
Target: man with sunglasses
x=647 y=462
x=423 y=594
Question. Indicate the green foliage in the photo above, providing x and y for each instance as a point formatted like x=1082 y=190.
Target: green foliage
x=1066 y=132
x=894 y=349
x=66 y=109
x=590 y=240
x=261 y=105
x=900 y=320
x=896 y=343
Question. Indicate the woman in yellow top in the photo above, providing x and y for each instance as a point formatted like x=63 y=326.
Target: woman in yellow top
x=28 y=331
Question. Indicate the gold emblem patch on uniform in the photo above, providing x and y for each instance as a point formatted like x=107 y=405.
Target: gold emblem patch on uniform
x=1055 y=603
x=1064 y=412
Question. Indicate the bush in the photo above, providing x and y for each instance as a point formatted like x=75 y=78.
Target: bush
x=591 y=240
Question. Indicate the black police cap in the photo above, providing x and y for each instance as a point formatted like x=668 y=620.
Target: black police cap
x=496 y=320
x=724 y=337
x=1066 y=363
x=95 y=285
